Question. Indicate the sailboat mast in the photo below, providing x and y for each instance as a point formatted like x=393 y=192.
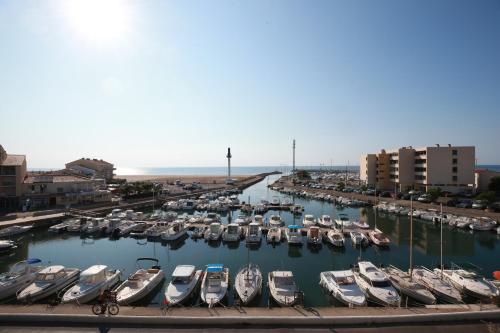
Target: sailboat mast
x=441 y=246
x=411 y=237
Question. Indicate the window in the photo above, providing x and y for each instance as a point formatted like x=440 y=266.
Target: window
x=419 y=177
x=420 y=161
x=455 y=161
x=455 y=169
x=455 y=178
x=454 y=152
x=420 y=169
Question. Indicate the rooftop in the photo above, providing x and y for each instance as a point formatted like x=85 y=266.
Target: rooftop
x=93 y=161
x=54 y=177
x=13 y=160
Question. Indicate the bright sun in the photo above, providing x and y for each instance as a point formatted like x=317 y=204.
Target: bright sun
x=98 y=21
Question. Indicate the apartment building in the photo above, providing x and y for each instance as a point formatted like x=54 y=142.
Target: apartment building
x=450 y=168
x=92 y=167
x=12 y=173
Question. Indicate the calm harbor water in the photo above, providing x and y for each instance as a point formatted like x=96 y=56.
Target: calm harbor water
x=480 y=248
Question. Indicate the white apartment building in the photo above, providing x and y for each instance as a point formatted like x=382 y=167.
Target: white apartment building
x=448 y=167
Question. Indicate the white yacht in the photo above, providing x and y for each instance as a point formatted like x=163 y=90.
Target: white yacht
x=361 y=224
x=113 y=224
x=275 y=221
x=282 y=287
x=336 y=238
x=211 y=218
x=470 y=283
x=343 y=287
x=325 y=221
x=258 y=219
x=232 y=233
x=7 y=245
x=293 y=235
x=156 y=229
x=139 y=284
x=185 y=279
x=248 y=283
x=308 y=221
x=188 y=204
x=483 y=224
x=19 y=275
x=242 y=220
x=94 y=225
x=343 y=222
x=92 y=282
x=214 y=285
x=214 y=232
x=274 y=235
x=403 y=282
x=314 y=236
x=253 y=233
x=176 y=230
x=379 y=238
x=359 y=238
x=436 y=285
x=376 y=285
x=14 y=230
x=48 y=281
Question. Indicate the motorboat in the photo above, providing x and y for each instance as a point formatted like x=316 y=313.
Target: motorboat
x=63 y=226
x=116 y=213
x=214 y=232
x=376 y=285
x=156 y=229
x=113 y=224
x=48 y=281
x=93 y=281
x=275 y=221
x=274 y=235
x=75 y=225
x=282 y=287
x=242 y=220
x=215 y=284
x=343 y=287
x=176 y=230
x=293 y=235
x=297 y=209
x=275 y=201
x=359 y=238
x=325 y=221
x=308 y=221
x=442 y=289
x=198 y=232
x=232 y=233
x=185 y=279
x=260 y=209
x=14 y=230
x=343 y=221
x=253 y=233
x=314 y=236
x=189 y=205
x=404 y=283
x=7 y=245
x=360 y=224
x=19 y=275
x=259 y=219
x=463 y=222
x=483 y=224
x=248 y=283
x=379 y=238
x=335 y=237
x=140 y=284
x=125 y=228
x=211 y=218
x=95 y=225
x=470 y=283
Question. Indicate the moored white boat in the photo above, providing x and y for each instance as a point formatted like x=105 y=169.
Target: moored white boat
x=293 y=235
x=325 y=221
x=403 y=282
x=139 y=284
x=308 y=221
x=14 y=230
x=253 y=233
x=483 y=224
x=335 y=237
x=376 y=285
x=314 y=236
x=259 y=219
x=214 y=232
x=232 y=233
x=48 y=281
x=176 y=230
x=185 y=280
x=215 y=284
x=343 y=221
x=470 y=283
x=274 y=235
x=442 y=289
x=282 y=287
x=359 y=238
x=275 y=221
x=19 y=275
x=378 y=238
x=343 y=287
x=248 y=283
x=7 y=245
x=92 y=282
x=361 y=224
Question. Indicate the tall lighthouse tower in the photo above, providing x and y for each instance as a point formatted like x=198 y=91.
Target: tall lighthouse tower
x=229 y=164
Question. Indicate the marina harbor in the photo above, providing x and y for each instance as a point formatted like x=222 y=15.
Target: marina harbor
x=250 y=247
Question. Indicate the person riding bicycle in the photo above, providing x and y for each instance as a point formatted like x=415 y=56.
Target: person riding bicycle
x=104 y=296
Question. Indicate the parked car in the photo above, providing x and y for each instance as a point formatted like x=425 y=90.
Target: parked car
x=385 y=194
x=452 y=202
x=495 y=206
x=479 y=204
x=424 y=198
x=464 y=203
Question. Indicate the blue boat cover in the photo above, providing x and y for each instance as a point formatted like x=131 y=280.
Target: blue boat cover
x=293 y=226
x=211 y=268
x=33 y=261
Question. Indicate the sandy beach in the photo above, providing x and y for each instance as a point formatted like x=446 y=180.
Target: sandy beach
x=205 y=179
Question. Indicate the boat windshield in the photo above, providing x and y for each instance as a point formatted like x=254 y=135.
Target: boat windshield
x=45 y=277
x=381 y=284
x=180 y=279
x=283 y=280
x=345 y=280
x=92 y=279
x=326 y=219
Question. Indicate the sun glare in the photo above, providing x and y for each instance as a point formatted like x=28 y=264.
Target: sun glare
x=98 y=21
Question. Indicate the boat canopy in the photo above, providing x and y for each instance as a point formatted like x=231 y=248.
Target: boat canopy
x=183 y=271
x=293 y=227
x=93 y=270
x=213 y=268
x=33 y=261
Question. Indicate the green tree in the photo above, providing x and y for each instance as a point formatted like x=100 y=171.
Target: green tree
x=488 y=196
x=340 y=186
x=303 y=174
x=494 y=185
x=434 y=193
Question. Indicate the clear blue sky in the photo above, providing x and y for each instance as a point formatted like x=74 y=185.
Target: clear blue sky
x=174 y=83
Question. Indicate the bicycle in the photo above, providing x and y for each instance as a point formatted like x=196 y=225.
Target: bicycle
x=108 y=304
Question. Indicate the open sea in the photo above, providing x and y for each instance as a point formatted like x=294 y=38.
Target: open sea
x=479 y=248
